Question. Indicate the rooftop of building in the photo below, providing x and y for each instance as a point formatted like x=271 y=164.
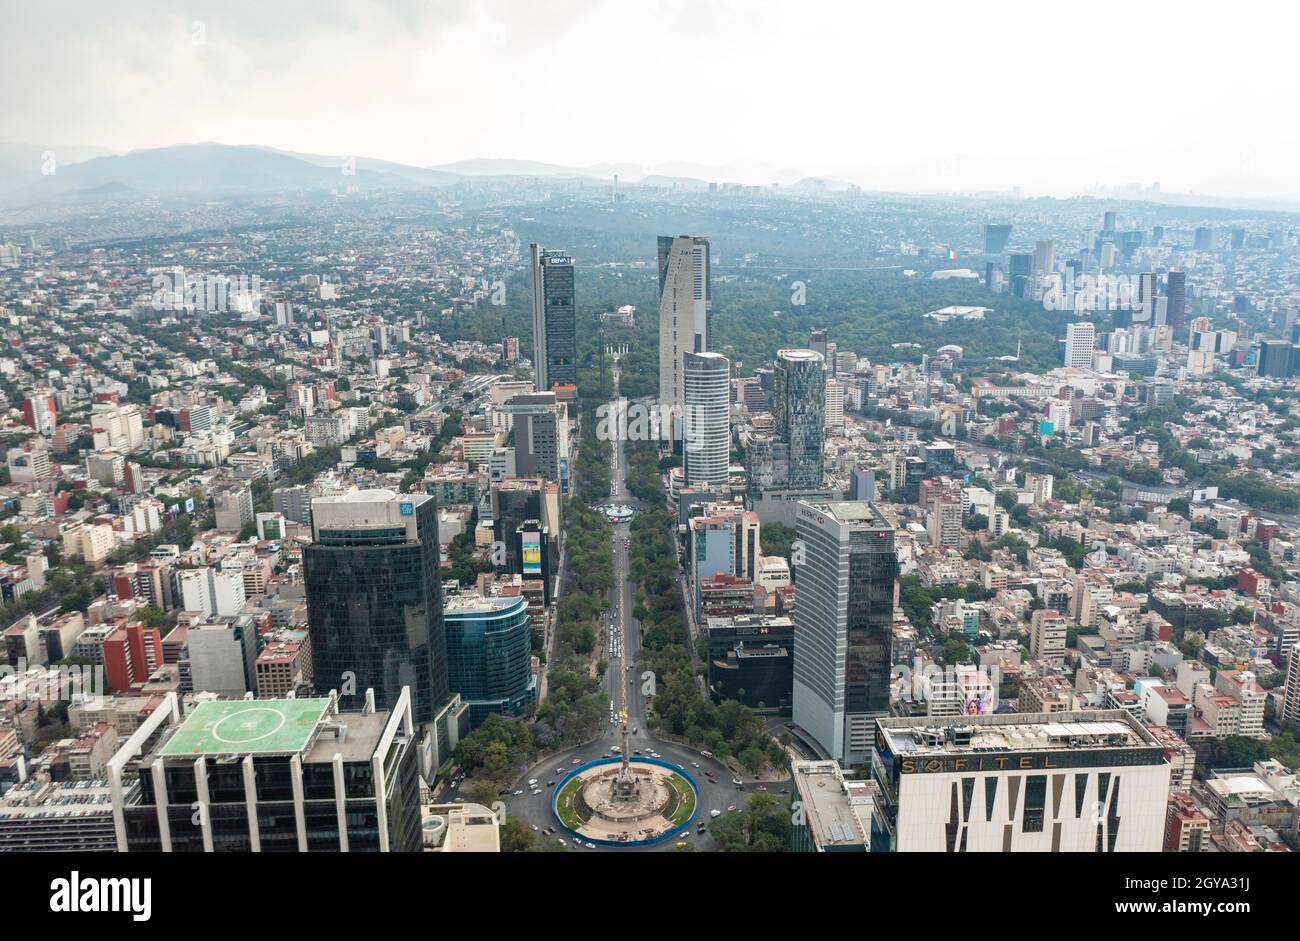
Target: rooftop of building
x=1057 y=731
x=836 y=814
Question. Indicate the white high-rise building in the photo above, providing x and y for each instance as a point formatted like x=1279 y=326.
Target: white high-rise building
x=684 y=300
x=835 y=406
x=1067 y=782
x=706 y=419
x=1080 y=339
x=217 y=593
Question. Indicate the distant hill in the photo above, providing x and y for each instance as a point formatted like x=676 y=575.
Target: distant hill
x=222 y=168
x=486 y=166
x=21 y=164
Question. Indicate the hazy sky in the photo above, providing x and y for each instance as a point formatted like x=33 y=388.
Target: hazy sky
x=933 y=96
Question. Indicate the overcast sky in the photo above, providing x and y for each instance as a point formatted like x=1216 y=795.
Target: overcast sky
x=931 y=96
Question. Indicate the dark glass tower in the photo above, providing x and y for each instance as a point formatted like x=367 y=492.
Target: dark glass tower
x=843 y=624
x=799 y=406
x=555 y=332
x=374 y=599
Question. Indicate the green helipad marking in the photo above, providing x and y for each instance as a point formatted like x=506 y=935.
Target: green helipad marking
x=256 y=726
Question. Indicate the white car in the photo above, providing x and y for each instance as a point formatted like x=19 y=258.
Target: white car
x=715 y=813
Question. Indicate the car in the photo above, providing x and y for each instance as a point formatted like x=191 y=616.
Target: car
x=634 y=727
x=559 y=771
x=713 y=813
x=737 y=781
x=591 y=846
x=636 y=751
x=707 y=754
x=681 y=845
x=731 y=808
x=576 y=761
x=517 y=793
x=695 y=764
x=562 y=843
x=608 y=755
x=762 y=787
x=533 y=827
x=532 y=782
x=550 y=784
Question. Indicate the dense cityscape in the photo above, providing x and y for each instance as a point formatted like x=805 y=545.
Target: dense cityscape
x=499 y=506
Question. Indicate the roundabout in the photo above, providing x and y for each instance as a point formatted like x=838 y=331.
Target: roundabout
x=617 y=802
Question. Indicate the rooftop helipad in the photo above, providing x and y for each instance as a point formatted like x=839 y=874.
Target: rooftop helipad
x=248 y=726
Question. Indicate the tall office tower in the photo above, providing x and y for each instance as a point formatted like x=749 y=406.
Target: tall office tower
x=799 y=406
x=843 y=625
x=1108 y=221
x=40 y=413
x=685 y=299
x=489 y=655
x=1080 y=339
x=996 y=237
x=273 y=774
x=1203 y=239
x=1021 y=269
x=555 y=327
x=706 y=419
x=835 y=406
x=1157 y=235
x=1148 y=291
x=1237 y=239
x=1044 y=256
x=541 y=436
x=1176 y=291
x=1277 y=358
x=1068 y=782
x=374 y=599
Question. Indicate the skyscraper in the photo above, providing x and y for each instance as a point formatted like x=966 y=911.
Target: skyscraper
x=799 y=406
x=843 y=630
x=1080 y=339
x=1044 y=256
x=685 y=297
x=555 y=331
x=374 y=599
x=996 y=236
x=707 y=419
x=1021 y=270
x=1176 y=290
x=489 y=655
x=1145 y=312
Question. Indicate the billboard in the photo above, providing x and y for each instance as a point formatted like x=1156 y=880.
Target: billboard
x=531 y=541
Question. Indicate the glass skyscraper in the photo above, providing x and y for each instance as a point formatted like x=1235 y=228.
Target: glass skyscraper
x=799 y=406
x=374 y=599
x=843 y=624
x=555 y=333
x=489 y=655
